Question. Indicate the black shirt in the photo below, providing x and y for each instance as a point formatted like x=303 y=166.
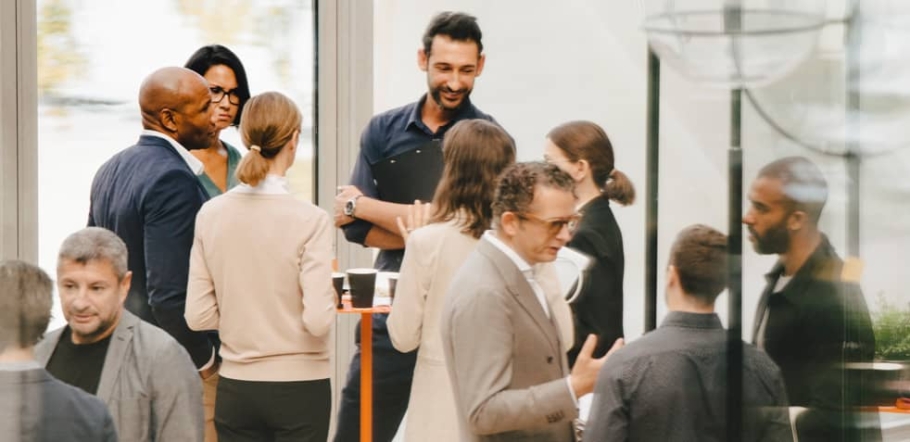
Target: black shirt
x=79 y=365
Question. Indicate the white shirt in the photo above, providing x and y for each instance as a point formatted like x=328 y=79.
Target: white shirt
x=271 y=185
x=192 y=162
x=523 y=266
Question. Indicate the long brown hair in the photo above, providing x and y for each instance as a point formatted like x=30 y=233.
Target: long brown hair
x=269 y=122
x=584 y=140
x=476 y=152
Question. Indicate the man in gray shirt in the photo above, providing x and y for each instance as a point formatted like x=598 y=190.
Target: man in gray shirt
x=670 y=385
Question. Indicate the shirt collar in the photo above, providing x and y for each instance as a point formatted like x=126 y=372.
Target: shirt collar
x=192 y=162
x=812 y=269
x=692 y=320
x=271 y=185
x=523 y=266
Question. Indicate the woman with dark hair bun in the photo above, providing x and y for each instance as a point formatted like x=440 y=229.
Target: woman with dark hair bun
x=583 y=150
x=230 y=91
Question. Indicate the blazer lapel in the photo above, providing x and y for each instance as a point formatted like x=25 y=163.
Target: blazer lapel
x=45 y=349
x=770 y=279
x=795 y=290
x=164 y=144
x=521 y=289
x=113 y=360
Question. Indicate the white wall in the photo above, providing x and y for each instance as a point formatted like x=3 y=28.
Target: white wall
x=550 y=62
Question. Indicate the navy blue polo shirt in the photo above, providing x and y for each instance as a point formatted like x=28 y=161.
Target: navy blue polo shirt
x=388 y=134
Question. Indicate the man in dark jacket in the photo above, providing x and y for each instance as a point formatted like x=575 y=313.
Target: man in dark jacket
x=811 y=320
x=148 y=194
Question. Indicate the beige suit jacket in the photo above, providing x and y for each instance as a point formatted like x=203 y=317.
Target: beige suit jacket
x=505 y=356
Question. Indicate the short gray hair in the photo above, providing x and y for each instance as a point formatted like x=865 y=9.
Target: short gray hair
x=95 y=244
x=25 y=304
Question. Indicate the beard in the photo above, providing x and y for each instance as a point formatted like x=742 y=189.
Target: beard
x=776 y=239
x=436 y=93
x=88 y=333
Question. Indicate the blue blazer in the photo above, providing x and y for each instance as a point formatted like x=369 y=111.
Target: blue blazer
x=149 y=197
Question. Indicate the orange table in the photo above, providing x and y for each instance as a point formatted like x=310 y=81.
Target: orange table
x=366 y=364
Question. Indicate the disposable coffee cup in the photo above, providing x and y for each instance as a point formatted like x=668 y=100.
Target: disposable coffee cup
x=393 y=282
x=362 y=284
x=338 y=282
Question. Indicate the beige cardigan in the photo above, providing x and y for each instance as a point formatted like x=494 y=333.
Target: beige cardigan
x=260 y=274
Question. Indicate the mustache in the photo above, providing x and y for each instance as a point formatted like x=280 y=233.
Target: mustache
x=82 y=311
x=447 y=90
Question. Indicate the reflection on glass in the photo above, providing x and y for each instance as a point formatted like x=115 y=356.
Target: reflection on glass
x=862 y=108
x=91 y=64
x=734 y=43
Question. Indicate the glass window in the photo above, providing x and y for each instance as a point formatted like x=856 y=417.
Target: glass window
x=821 y=86
x=92 y=57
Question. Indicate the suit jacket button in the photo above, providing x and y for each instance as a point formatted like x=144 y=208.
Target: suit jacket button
x=549 y=359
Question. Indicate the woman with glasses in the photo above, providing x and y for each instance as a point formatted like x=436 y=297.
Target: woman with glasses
x=475 y=153
x=583 y=150
x=230 y=91
x=260 y=274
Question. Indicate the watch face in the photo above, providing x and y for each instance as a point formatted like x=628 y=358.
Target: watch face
x=349 y=208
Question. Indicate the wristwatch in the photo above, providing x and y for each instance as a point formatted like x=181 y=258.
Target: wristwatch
x=350 y=206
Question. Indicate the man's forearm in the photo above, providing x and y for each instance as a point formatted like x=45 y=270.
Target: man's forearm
x=383 y=239
x=382 y=214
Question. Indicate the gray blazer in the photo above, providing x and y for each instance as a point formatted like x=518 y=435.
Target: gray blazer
x=148 y=382
x=504 y=355
x=35 y=407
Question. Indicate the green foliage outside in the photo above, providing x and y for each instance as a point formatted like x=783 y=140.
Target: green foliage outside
x=892 y=331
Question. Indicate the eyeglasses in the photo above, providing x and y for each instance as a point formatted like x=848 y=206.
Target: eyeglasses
x=554 y=225
x=218 y=94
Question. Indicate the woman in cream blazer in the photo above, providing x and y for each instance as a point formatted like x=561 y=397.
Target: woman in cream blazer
x=476 y=151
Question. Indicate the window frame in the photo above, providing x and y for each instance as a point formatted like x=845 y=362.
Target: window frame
x=18 y=130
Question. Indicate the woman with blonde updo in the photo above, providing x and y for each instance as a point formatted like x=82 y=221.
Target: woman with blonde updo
x=260 y=274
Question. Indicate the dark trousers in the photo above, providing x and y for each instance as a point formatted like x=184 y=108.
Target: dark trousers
x=393 y=372
x=138 y=304
x=273 y=411
x=199 y=345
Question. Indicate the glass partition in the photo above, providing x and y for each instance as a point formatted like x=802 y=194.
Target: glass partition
x=836 y=99
x=92 y=57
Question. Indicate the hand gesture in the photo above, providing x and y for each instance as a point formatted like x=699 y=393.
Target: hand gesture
x=418 y=216
x=584 y=373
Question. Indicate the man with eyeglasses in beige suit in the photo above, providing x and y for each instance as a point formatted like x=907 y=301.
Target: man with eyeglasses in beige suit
x=506 y=327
